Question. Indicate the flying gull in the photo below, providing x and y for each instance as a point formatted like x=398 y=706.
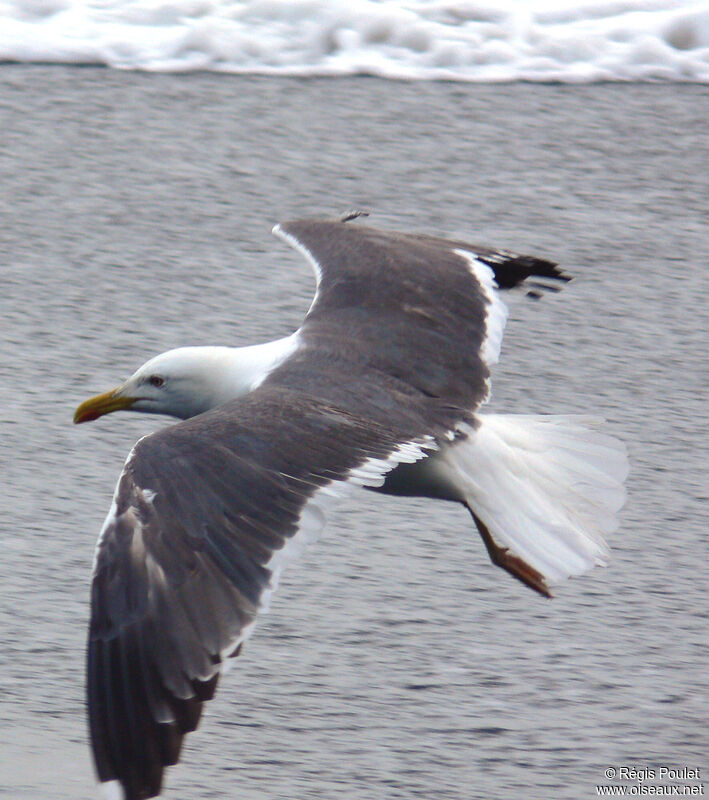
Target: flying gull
x=380 y=387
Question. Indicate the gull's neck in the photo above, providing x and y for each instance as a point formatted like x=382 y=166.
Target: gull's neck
x=250 y=366
x=228 y=373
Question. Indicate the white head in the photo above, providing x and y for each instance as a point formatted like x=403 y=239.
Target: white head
x=180 y=383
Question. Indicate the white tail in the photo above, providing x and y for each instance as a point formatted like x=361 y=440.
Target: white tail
x=546 y=487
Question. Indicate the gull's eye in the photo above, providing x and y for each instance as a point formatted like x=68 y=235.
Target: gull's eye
x=156 y=380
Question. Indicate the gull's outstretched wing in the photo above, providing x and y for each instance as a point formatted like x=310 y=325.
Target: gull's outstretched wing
x=420 y=310
x=205 y=515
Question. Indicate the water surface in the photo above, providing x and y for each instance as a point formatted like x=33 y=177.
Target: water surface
x=396 y=662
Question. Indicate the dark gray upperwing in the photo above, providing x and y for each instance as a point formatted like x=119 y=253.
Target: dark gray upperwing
x=182 y=561
x=408 y=306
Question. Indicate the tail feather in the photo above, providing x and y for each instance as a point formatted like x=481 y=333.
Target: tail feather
x=546 y=487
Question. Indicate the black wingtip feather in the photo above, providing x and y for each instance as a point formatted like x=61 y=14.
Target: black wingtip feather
x=511 y=270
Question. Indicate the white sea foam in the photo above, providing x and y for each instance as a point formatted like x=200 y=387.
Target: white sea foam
x=552 y=40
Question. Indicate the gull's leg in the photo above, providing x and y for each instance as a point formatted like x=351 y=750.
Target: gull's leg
x=513 y=564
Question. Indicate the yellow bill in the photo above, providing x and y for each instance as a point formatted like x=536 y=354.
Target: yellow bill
x=102 y=404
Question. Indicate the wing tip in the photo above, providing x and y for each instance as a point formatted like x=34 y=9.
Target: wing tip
x=512 y=269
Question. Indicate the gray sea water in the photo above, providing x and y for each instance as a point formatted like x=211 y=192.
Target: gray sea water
x=396 y=662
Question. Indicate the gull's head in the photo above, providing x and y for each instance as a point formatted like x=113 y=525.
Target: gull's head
x=180 y=383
